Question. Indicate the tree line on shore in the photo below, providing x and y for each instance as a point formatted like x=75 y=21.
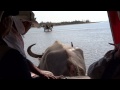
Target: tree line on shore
x=66 y=22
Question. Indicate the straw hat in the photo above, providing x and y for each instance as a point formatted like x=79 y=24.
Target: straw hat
x=8 y=13
x=26 y=15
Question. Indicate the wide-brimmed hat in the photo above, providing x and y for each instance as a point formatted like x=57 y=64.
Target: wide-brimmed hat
x=8 y=13
x=26 y=15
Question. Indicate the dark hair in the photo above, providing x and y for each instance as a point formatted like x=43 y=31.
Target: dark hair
x=6 y=14
x=10 y=13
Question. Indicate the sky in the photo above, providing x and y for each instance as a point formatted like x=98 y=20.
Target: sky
x=60 y=16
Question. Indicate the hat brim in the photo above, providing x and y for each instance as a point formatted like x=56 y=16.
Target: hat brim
x=26 y=15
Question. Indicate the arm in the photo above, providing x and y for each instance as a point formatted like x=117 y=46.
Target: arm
x=42 y=73
x=33 y=68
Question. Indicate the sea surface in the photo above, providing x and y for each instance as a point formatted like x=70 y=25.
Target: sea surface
x=92 y=38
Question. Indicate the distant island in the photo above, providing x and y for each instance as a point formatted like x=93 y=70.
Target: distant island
x=66 y=23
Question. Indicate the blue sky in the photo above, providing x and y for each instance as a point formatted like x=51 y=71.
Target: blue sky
x=59 y=16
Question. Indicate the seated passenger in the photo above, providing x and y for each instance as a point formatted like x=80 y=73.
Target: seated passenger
x=13 y=61
x=108 y=67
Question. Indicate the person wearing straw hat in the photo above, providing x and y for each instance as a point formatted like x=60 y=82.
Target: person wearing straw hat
x=13 y=61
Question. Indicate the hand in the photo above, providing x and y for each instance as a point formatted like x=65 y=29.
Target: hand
x=60 y=77
x=56 y=77
x=48 y=74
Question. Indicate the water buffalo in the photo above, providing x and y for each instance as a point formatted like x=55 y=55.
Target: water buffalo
x=61 y=59
x=47 y=27
x=108 y=67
